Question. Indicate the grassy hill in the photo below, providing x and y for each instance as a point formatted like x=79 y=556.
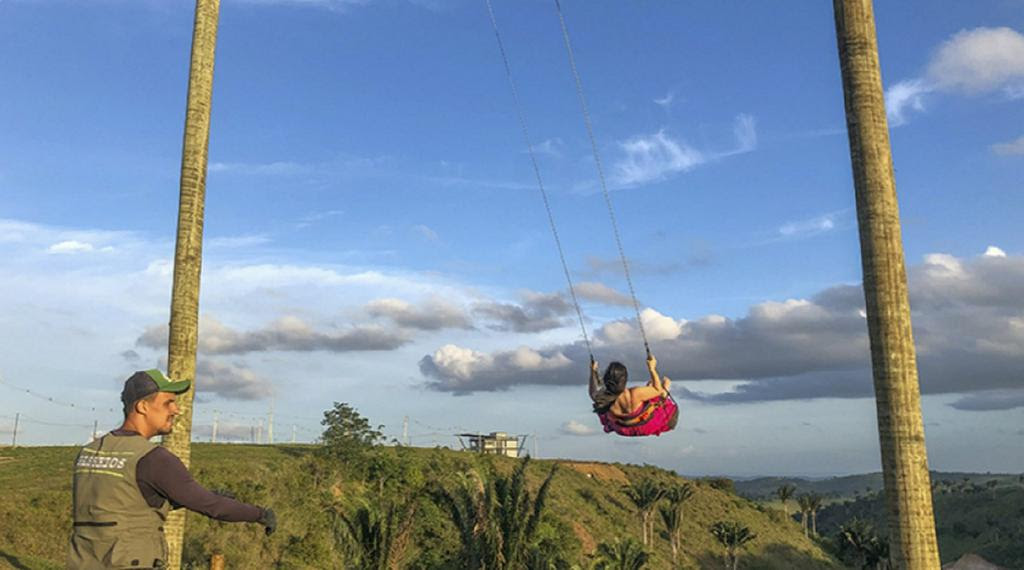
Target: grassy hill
x=586 y=506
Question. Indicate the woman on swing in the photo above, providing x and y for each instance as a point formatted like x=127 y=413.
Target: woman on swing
x=637 y=411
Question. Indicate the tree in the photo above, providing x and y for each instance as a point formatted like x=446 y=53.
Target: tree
x=804 y=502
x=672 y=516
x=623 y=554
x=858 y=544
x=733 y=536
x=814 y=503
x=377 y=538
x=785 y=493
x=347 y=435
x=897 y=392
x=645 y=495
x=188 y=252
x=497 y=520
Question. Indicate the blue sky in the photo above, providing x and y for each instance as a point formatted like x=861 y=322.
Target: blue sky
x=374 y=233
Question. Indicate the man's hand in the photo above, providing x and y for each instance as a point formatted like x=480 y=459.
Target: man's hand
x=593 y=366
x=269 y=521
x=652 y=363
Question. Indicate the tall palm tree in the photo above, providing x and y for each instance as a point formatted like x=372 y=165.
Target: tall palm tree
x=377 y=538
x=785 y=493
x=897 y=394
x=733 y=536
x=814 y=504
x=672 y=516
x=645 y=495
x=188 y=253
x=497 y=520
x=804 y=502
x=623 y=554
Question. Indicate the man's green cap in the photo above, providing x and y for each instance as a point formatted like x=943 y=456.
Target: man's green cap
x=146 y=382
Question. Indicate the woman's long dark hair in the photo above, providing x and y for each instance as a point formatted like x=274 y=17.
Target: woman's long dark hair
x=615 y=379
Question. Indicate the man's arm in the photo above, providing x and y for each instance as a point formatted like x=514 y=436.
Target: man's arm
x=162 y=471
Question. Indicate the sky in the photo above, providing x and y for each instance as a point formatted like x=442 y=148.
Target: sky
x=374 y=232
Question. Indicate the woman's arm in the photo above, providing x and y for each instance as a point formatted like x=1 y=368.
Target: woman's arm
x=652 y=367
x=595 y=381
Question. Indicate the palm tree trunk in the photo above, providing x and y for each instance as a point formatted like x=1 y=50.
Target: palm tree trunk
x=188 y=254
x=814 y=523
x=897 y=394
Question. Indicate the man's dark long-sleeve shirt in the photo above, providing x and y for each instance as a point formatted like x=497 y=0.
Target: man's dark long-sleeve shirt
x=161 y=476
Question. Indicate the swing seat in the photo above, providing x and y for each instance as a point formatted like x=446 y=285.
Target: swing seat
x=655 y=417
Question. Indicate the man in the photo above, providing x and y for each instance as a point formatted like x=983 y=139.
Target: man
x=124 y=485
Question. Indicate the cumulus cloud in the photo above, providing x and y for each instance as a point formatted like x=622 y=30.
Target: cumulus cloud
x=666 y=101
x=979 y=61
x=70 y=246
x=968 y=324
x=601 y=293
x=461 y=370
x=426 y=232
x=972 y=62
x=573 y=427
x=434 y=314
x=537 y=312
x=231 y=381
x=1012 y=148
x=285 y=334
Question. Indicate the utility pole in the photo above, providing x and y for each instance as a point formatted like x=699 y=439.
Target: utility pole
x=259 y=433
x=405 y=431
x=293 y=433
x=213 y=434
x=14 y=438
x=536 y=452
x=894 y=365
x=95 y=425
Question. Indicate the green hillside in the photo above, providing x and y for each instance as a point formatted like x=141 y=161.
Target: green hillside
x=586 y=507
x=985 y=519
x=851 y=486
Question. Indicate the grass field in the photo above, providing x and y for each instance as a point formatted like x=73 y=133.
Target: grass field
x=586 y=506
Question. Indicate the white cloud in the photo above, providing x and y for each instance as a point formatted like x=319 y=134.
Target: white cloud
x=70 y=246
x=972 y=62
x=1012 y=148
x=903 y=96
x=280 y=168
x=993 y=251
x=432 y=314
x=231 y=381
x=651 y=158
x=658 y=156
x=426 y=232
x=551 y=147
x=236 y=242
x=810 y=227
x=573 y=427
x=666 y=101
x=601 y=293
x=979 y=61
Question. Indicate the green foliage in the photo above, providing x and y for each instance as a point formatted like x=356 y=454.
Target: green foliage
x=645 y=494
x=348 y=435
x=623 y=554
x=857 y=544
x=497 y=519
x=723 y=484
x=375 y=536
x=733 y=536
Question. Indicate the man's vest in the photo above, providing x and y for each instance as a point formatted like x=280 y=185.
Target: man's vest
x=114 y=527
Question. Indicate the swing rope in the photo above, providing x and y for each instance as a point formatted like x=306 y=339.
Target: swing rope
x=540 y=181
x=600 y=172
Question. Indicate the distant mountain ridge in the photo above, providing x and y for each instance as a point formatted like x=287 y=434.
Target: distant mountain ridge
x=852 y=486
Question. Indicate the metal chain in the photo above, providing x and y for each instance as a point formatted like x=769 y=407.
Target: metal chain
x=600 y=173
x=540 y=181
